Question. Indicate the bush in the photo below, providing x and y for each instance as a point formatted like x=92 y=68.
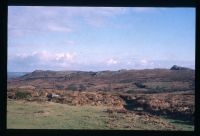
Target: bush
x=72 y=87
x=82 y=87
x=160 y=89
x=140 y=85
x=130 y=91
x=60 y=87
x=22 y=95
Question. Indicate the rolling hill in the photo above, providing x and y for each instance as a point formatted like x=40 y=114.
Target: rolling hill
x=121 y=80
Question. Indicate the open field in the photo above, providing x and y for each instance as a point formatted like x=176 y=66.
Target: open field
x=49 y=115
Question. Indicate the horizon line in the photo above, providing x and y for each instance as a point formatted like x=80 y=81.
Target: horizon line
x=95 y=71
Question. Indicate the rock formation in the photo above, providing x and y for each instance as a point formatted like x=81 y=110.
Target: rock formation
x=175 y=67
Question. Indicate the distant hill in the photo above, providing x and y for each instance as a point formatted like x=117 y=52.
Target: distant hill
x=121 y=80
x=12 y=75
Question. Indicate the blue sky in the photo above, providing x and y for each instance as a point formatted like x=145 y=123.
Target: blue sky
x=99 y=38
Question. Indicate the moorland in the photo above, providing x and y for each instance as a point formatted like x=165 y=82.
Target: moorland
x=148 y=99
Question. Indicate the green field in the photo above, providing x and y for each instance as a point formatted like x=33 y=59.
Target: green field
x=49 y=115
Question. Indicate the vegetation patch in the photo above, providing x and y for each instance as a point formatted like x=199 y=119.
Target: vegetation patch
x=126 y=81
x=140 y=85
x=72 y=87
x=130 y=91
x=22 y=95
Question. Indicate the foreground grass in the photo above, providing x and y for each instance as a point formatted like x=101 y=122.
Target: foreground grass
x=52 y=115
x=49 y=115
x=182 y=125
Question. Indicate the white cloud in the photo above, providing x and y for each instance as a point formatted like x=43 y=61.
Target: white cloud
x=57 y=19
x=112 y=61
x=144 y=61
x=65 y=56
x=58 y=28
x=128 y=62
x=46 y=57
x=152 y=63
x=25 y=20
x=42 y=60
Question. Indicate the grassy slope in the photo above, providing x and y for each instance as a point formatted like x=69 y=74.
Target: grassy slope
x=51 y=115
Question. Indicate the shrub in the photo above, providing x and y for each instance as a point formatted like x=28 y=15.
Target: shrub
x=130 y=91
x=60 y=87
x=82 y=87
x=160 y=89
x=72 y=87
x=140 y=85
x=22 y=95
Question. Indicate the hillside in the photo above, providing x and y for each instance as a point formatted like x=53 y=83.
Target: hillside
x=121 y=80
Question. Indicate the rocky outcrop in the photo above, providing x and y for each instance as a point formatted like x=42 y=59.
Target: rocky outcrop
x=175 y=67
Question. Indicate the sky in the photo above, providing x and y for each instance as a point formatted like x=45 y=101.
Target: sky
x=99 y=38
